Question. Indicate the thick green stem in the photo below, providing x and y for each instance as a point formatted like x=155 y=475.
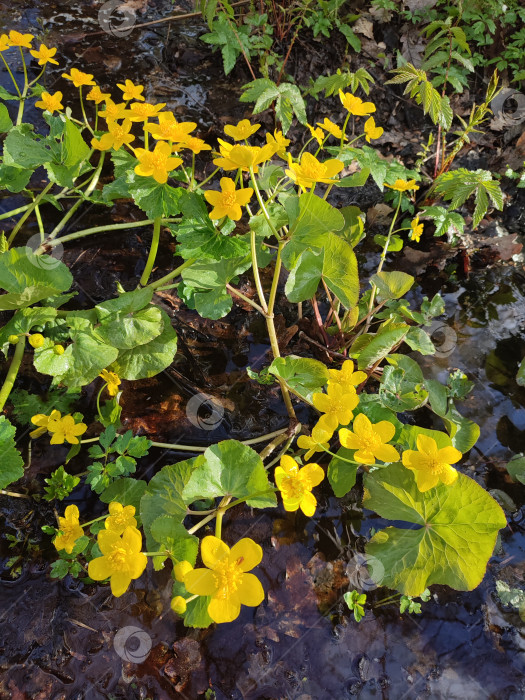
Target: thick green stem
x=201 y=448
x=174 y=273
x=150 y=262
x=28 y=212
x=24 y=91
x=12 y=371
x=103 y=229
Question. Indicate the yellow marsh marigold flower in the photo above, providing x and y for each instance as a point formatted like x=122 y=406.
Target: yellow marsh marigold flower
x=122 y=559
x=179 y=605
x=193 y=144
x=118 y=136
x=296 y=484
x=278 y=142
x=346 y=375
x=112 y=111
x=44 y=55
x=158 y=163
x=51 y=103
x=244 y=157
x=4 y=43
x=131 y=91
x=317 y=134
x=355 y=105
x=181 y=569
x=120 y=517
x=371 y=130
x=403 y=185
x=416 y=230
x=169 y=129
x=317 y=442
x=70 y=530
x=97 y=96
x=23 y=40
x=36 y=340
x=142 y=111
x=229 y=201
x=337 y=404
x=430 y=465
x=226 y=579
x=331 y=128
x=79 y=78
x=243 y=130
x=310 y=171
x=65 y=429
x=370 y=440
x=112 y=380
x=42 y=421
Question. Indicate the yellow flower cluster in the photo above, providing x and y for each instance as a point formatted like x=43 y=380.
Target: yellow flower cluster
x=62 y=428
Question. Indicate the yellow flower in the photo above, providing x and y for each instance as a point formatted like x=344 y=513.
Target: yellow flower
x=194 y=144
x=23 y=40
x=355 y=105
x=169 y=129
x=43 y=421
x=112 y=380
x=371 y=130
x=51 y=103
x=229 y=201
x=370 y=440
x=36 y=340
x=416 y=230
x=178 y=605
x=142 y=111
x=317 y=134
x=296 y=484
x=242 y=131
x=346 y=375
x=121 y=560
x=79 y=78
x=158 y=163
x=226 y=579
x=118 y=136
x=430 y=465
x=70 y=530
x=65 y=429
x=120 y=517
x=317 y=442
x=337 y=404
x=403 y=185
x=4 y=43
x=310 y=171
x=131 y=91
x=181 y=569
x=113 y=111
x=97 y=96
x=244 y=157
x=331 y=128
x=44 y=55
x=278 y=142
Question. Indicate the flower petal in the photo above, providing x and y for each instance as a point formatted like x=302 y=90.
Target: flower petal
x=449 y=455
x=308 y=504
x=107 y=540
x=426 y=444
x=449 y=475
x=247 y=554
x=348 y=439
x=132 y=539
x=200 y=582
x=136 y=564
x=213 y=550
x=119 y=583
x=385 y=430
x=250 y=591
x=99 y=569
x=311 y=475
x=386 y=453
x=224 y=609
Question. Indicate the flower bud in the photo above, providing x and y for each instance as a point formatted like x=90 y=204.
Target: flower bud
x=36 y=340
x=58 y=349
x=13 y=339
x=178 y=605
x=181 y=569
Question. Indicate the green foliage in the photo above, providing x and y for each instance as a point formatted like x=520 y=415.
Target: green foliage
x=408 y=604
x=423 y=91
x=287 y=97
x=459 y=185
x=356 y=602
x=60 y=484
x=302 y=375
x=27 y=405
x=12 y=464
x=116 y=456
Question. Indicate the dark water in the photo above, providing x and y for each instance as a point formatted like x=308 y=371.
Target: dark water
x=57 y=639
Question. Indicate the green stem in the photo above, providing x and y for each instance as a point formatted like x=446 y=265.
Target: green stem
x=246 y=299
x=174 y=273
x=28 y=212
x=201 y=524
x=152 y=252
x=95 y=520
x=10 y=73
x=24 y=91
x=262 y=205
x=98 y=401
x=200 y=448
x=12 y=371
x=210 y=177
x=344 y=130
x=103 y=229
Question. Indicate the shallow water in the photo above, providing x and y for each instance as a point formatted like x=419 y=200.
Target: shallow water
x=58 y=638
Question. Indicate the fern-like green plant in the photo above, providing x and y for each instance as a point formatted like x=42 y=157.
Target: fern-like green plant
x=457 y=186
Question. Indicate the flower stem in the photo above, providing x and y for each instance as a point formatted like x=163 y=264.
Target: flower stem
x=12 y=371
x=152 y=253
x=28 y=212
x=174 y=273
x=103 y=229
x=202 y=448
x=24 y=91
